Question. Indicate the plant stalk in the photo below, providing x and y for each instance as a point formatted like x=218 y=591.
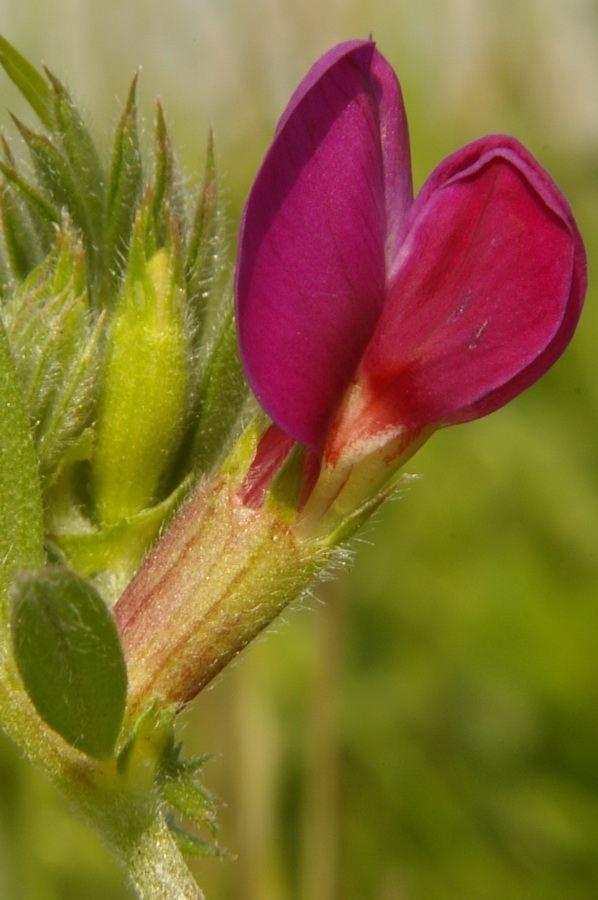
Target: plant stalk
x=127 y=817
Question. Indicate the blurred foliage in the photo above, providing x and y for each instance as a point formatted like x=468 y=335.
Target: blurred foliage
x=430 y=731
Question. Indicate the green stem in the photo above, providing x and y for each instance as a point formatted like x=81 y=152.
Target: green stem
x=128 y=817
x=155 y=864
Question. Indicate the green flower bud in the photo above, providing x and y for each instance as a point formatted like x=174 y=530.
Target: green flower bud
x=142 y=402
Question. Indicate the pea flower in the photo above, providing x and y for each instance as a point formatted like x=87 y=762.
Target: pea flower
x=368 y=319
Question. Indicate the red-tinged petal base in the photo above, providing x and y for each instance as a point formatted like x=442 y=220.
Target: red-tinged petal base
x=272 y=450
x=357 y=465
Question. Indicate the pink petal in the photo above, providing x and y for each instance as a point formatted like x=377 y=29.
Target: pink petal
x=310 y=279
x=486 y=291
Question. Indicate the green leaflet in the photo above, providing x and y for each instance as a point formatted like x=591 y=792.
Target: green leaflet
x=28 y=80
x=179 y=786
x=20 y=241
x=191 y=844
x=55 y=347
x=126 y=181
x=56 y=175
x=86 y=166
x=221 y=396
x=68 y=653
x=44 y=215
x=167 y=200
x=200 y=261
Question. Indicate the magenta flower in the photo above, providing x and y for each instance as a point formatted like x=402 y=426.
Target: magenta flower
x=367 y=318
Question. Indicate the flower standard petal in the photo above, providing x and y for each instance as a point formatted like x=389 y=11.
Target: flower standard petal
x=310 y=281
x=486 y=291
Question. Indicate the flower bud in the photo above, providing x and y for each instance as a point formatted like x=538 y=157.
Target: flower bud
x=142 y=401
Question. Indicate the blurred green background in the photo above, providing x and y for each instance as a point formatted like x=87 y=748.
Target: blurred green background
x=430 y=730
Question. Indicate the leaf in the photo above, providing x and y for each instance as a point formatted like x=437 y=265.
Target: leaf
x=56 y=176
x=179 y=787
x=85 y=164
x=55 y=346
x=204 y=243
x=193 y=845
x=164 y=170
x=125 y=183
x=118 y=548
x=5 y=278
x=68 y=653
x=191 y=799
x=222 y=394
x=205 y=214
x=21 y=530
x=43 y=214
x=29 y=81
x=72 y=403
x=22 y=247
x=76 y=140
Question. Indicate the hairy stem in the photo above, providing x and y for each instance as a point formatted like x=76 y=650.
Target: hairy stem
x=155 y=864
x=127 y=817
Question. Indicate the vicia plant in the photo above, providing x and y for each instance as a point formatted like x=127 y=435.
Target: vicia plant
x=153 y=518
